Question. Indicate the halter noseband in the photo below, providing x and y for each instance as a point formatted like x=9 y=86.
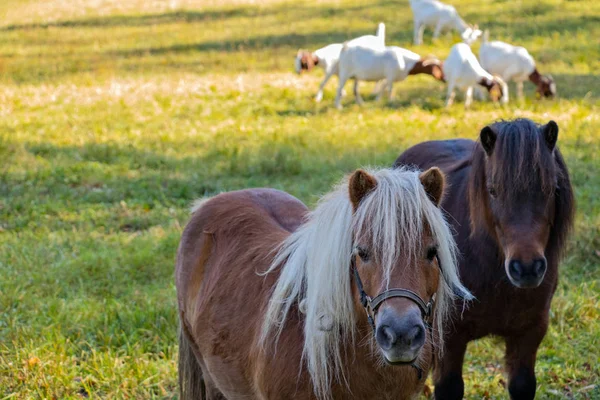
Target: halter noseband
x=371 y=305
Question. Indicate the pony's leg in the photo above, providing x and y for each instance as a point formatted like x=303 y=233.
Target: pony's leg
x=469 y=97
x=447 y=373
x=520 y=362
x=328 y=75
x=450 y=95
x=359 y=99
x=338 y=97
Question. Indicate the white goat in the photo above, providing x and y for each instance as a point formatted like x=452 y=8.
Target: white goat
x=375 y=64
x=328 y=56
x=434 y=13
x=514 y=63
x=462 y=70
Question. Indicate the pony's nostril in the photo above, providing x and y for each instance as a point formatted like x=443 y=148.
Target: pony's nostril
x=390 y=336
x=415 y=335
x=515 y=268
x=539 y=266
x=386 y=337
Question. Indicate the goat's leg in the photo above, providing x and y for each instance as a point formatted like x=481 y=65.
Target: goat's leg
x=478 y=93
x=520 y=90
x=520 y=362
x=390 y=87
x=418 y=32
x=378 y=88
x=450 y=95
x=338 y=96
x=438 y=29
x=381 y=89
x=359 y=99
x=468 y=97
x=319 y=95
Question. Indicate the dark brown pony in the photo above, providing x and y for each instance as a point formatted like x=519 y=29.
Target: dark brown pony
x=272 y=298
x=511 y=204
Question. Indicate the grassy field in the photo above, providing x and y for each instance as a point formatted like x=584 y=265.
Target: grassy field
x=116 y=115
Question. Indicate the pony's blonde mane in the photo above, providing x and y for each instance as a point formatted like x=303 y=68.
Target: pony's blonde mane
x=314 y=264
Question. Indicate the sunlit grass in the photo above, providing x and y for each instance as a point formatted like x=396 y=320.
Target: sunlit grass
x=115 y=116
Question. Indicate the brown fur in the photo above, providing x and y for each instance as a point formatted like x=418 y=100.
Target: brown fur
x=221 y=299
x=361 y=183
x=544 y=84
x=493 y=87
x=429 y=66
x=307 y=60
x=508 y=194
x=434 y=182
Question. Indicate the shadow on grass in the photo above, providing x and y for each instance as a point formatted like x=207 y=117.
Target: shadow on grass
x=427 y=97
x=109 y=173
x=142 y=20
x=191 y=16
x=577 y=86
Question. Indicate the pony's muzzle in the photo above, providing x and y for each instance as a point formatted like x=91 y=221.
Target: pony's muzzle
x=400 y=337
x=526 y=275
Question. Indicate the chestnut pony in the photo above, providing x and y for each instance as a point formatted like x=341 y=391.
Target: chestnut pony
x=511 y=205
x=272 y=298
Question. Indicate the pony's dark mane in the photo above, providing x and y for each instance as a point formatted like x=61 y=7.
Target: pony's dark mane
x=522 y=157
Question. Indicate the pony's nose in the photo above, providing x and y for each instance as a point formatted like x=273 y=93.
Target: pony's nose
x=527 y=275
x=400 y=338
x=386 y=337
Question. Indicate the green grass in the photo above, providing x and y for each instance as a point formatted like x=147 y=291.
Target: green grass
x=115 y=117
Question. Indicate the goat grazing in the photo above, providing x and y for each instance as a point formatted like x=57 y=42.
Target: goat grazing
x=390 y=63
x=436 y=14
x=328 y=56
x=516 y=64
x=462 y=70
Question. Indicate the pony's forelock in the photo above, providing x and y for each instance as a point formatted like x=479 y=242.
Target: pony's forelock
x=314 y=264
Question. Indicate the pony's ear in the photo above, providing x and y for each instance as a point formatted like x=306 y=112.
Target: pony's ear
x=433 y=181
x=487 y=137
x=550 y=131
x=361 y=183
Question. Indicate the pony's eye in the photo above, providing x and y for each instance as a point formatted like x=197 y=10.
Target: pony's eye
x=492 y=191
x=431 y=253
x=363 y=254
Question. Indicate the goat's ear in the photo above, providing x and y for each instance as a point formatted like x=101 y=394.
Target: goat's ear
x=487 y=137
x=361 y=184
x=550 y=132
x=433 y=181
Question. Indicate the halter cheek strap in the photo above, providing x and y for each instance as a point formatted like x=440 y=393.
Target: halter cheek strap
x=372 y=305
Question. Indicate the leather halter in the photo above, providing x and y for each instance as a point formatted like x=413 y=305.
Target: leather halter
x=371 y=305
